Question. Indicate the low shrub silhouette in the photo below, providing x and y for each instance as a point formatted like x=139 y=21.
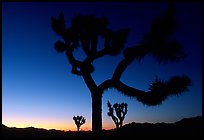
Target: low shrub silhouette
x=79 y=120
x=120 y=111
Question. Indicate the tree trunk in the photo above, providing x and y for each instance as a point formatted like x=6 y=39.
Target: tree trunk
x=77 y=128
x=121 y=124
x=96 y=104
x=117 y=125
x=96 y=113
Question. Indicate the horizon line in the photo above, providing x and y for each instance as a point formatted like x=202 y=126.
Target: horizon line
x=82 y=130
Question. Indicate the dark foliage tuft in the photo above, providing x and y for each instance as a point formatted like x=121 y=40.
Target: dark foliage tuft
x=60 y=46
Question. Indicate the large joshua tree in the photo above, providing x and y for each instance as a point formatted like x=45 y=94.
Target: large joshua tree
x=85 y=32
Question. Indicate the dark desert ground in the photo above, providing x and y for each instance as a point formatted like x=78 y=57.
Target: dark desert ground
x=185 y=128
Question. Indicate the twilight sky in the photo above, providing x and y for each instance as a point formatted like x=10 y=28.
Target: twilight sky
x=39 y=90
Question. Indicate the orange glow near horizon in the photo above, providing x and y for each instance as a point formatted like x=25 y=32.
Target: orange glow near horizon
x=45 y=123
x=48 y=124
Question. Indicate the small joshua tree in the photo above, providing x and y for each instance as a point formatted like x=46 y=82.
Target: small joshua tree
x=120 y=111
x=79 y=120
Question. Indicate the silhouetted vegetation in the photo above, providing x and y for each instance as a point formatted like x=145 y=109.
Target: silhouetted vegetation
x=79 y=120
x=119 y=115
x=84 y=33
x=187 y=128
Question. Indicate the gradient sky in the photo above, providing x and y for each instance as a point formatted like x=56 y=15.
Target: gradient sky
x=39 y=90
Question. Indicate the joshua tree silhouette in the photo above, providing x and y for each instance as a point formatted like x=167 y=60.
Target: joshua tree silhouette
x=120 y=111
x=85 y=32
x=79 y=120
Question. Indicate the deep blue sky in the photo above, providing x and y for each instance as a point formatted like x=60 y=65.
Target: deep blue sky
x=38 y=88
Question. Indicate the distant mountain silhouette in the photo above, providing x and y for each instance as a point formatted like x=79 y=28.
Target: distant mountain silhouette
x=185 y=128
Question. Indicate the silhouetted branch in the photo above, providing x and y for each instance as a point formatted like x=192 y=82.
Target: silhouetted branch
x=58 y=25
x=60 y=46
x=128 y=91
x=158 y=91
x=178 y=84
x=121 y=87
x=76 y=65
x=158 y=43
x=117 y=41
x=171 y=52
x=87 y=29
x=121 y=68
x=90 y=83
x=105 y=85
